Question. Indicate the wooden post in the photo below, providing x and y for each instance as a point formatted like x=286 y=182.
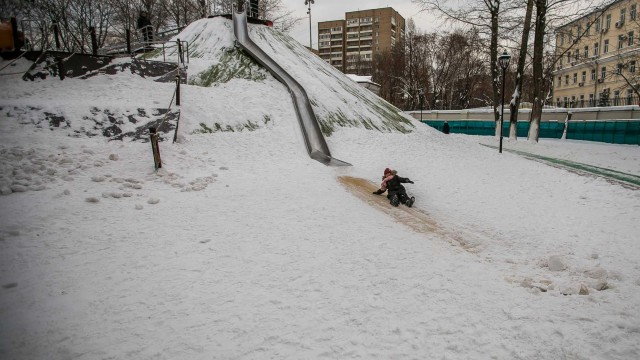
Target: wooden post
x=175 y=133
x=155 y=148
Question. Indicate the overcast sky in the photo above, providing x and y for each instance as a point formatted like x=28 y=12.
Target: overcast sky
x=324 y=10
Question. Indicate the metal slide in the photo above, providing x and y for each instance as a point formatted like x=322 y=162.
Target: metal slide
x=313 y=138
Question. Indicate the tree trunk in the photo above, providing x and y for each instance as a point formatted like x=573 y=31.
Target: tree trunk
x=517 y=93
x=538 y=75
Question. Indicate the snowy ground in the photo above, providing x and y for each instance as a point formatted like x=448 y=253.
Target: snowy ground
x=242 y=247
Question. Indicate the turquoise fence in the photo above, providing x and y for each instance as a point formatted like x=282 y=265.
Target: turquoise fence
x=611 y=131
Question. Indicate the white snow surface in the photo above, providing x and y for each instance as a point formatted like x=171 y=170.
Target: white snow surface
x=242 y=247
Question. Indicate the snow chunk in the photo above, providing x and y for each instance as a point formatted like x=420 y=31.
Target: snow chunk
x=556 y=263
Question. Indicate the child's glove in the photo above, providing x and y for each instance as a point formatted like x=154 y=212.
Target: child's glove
x=377 y=192
x=409 y=181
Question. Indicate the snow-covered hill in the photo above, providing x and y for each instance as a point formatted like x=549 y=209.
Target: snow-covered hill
x=337 y=100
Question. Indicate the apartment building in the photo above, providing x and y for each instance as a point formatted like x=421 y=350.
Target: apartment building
x=351 y=44
x=598 y=57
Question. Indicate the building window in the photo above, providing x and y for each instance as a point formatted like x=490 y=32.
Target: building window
x=620 y=41
x=630 y=38
x=608 y=22
x=559 y=81
x=586 y=52
x=584 y=76
x=579 y=32
x=575 y=78
x=623 y=13
x=590 y=99
x=596 y=49
x=603 y=73
x=632 y=66
x=629 y=97
x=598 y=23
x=619 y=68
x=568 y=57
x=566 y=79
x=593 y=74
x=616 y=97
x=605 y=48
x=632 y=12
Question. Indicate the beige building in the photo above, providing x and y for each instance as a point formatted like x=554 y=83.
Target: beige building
x=351 y=44
x=597 y=53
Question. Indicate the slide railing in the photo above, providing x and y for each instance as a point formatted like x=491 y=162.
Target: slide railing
x=314 y=140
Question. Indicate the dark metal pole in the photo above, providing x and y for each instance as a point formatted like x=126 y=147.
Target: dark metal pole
x=309 y=2
x=180 y=56
x=502 y=116
x=178 y=88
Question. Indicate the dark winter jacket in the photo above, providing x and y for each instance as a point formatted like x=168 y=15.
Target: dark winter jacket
x=395 y=184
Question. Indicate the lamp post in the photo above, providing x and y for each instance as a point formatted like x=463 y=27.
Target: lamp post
x=421 y=94
x=503 y=61
x=309 y=2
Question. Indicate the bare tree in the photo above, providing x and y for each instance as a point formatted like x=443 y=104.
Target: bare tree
x=389 y=72
x=522 y=58
x=542 y=65
x=74 y=19
x=273 y=10
x=491 y=19
x=416 y=81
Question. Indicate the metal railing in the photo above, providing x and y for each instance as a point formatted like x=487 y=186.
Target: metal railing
x=182 y=48
x=139 y=44
x=598 y=102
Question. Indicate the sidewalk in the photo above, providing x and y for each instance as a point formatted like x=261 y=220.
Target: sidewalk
x=627 y=180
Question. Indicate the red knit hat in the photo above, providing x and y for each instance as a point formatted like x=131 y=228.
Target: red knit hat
x=386 y=171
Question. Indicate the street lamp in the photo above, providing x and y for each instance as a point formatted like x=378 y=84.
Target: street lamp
x=309 y=2
x=503 y=61
x=421 y=94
